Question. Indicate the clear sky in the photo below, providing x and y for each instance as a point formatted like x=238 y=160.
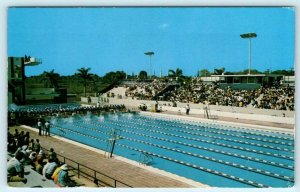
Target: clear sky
x=110 y=39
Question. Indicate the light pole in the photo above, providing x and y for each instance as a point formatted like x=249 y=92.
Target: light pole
x=249 y=36
x=150 y=53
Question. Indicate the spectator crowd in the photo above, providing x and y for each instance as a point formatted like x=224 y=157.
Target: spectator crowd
x=146 y=91
x=280 y=98
x=29 y=115
x=195 y=91
x=28 y=152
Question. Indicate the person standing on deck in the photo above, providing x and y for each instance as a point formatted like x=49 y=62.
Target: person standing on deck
x=47 y=128
x=39 y=124
x=187 y=109
x=89 y=100
x=156 y=106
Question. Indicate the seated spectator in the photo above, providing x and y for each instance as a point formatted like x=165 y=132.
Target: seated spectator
x=23 y=150
x=31 y=144
x=16 y=133
x=20 y=139
x=11 y=143
x=15 y=169
x=55 y=174
x=26 y=138
x=41 y=156
x=32 y=157
x=39 y=165
x=37 y=146
x=63 y=178
x=52 y=154
x=49 y=168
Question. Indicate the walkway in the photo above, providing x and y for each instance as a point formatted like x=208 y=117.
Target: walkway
x=236 y=120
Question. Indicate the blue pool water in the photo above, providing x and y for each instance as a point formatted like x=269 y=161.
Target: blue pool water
x=213 y=154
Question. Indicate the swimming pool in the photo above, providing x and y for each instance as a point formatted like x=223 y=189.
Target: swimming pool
x=213 y=154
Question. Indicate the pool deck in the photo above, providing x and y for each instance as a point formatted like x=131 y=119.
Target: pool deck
x=236 y=120
x=133 y=175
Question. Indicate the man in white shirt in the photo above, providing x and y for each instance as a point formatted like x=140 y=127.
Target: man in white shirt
x=39 y=124
x=187 y=109
x=15 y=169
x=47 y=128
x=49 y=168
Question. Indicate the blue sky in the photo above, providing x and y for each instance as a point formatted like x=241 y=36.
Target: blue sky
x=110 y=39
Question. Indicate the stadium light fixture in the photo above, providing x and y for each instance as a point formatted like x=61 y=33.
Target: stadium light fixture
x=150 y=54
x=249 y=36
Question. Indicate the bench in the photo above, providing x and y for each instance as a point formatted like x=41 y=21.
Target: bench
x=34 y=180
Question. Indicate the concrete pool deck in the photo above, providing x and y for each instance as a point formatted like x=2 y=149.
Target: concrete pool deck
x=131 y=172
x=285 y=127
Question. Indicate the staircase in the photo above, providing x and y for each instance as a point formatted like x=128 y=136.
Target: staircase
x=169 y=87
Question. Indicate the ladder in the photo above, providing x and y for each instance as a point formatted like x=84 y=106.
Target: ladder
x=145 y=158
x=111 y=142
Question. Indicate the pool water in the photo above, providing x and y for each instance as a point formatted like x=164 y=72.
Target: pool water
x=213 y=154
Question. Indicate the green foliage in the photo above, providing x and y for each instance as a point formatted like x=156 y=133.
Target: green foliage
x=143 y=75
x=284 y=72
x=219 y=71
x=246 y=71
x=52 y=78
x=85 y=77
x=229 y=73
x=177 y=73
x=113 y=77
x=204 y=73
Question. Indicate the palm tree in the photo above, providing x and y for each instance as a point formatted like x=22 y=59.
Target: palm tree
x=205 y=73
x=219 y=71
x=177 y=74
x=52 y=77
x=85 y=76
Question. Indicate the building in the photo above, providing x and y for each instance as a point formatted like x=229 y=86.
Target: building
x=210 y=79
x=288 y=81
x=19 y=93
x=16 y=77
x=252 y=81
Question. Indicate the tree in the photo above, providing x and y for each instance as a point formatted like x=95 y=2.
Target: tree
x=284 y=72
x=113 y=77
x=229 y=73
x=178 y=73
x=85 y=76
x=52 y=78
x=246 y=71
x=120 y=75
x=204 y=73
x=93 y=85
x=219 y=71
x=143 y=75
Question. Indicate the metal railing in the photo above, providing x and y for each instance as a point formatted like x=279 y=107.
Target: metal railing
x=97 y=177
